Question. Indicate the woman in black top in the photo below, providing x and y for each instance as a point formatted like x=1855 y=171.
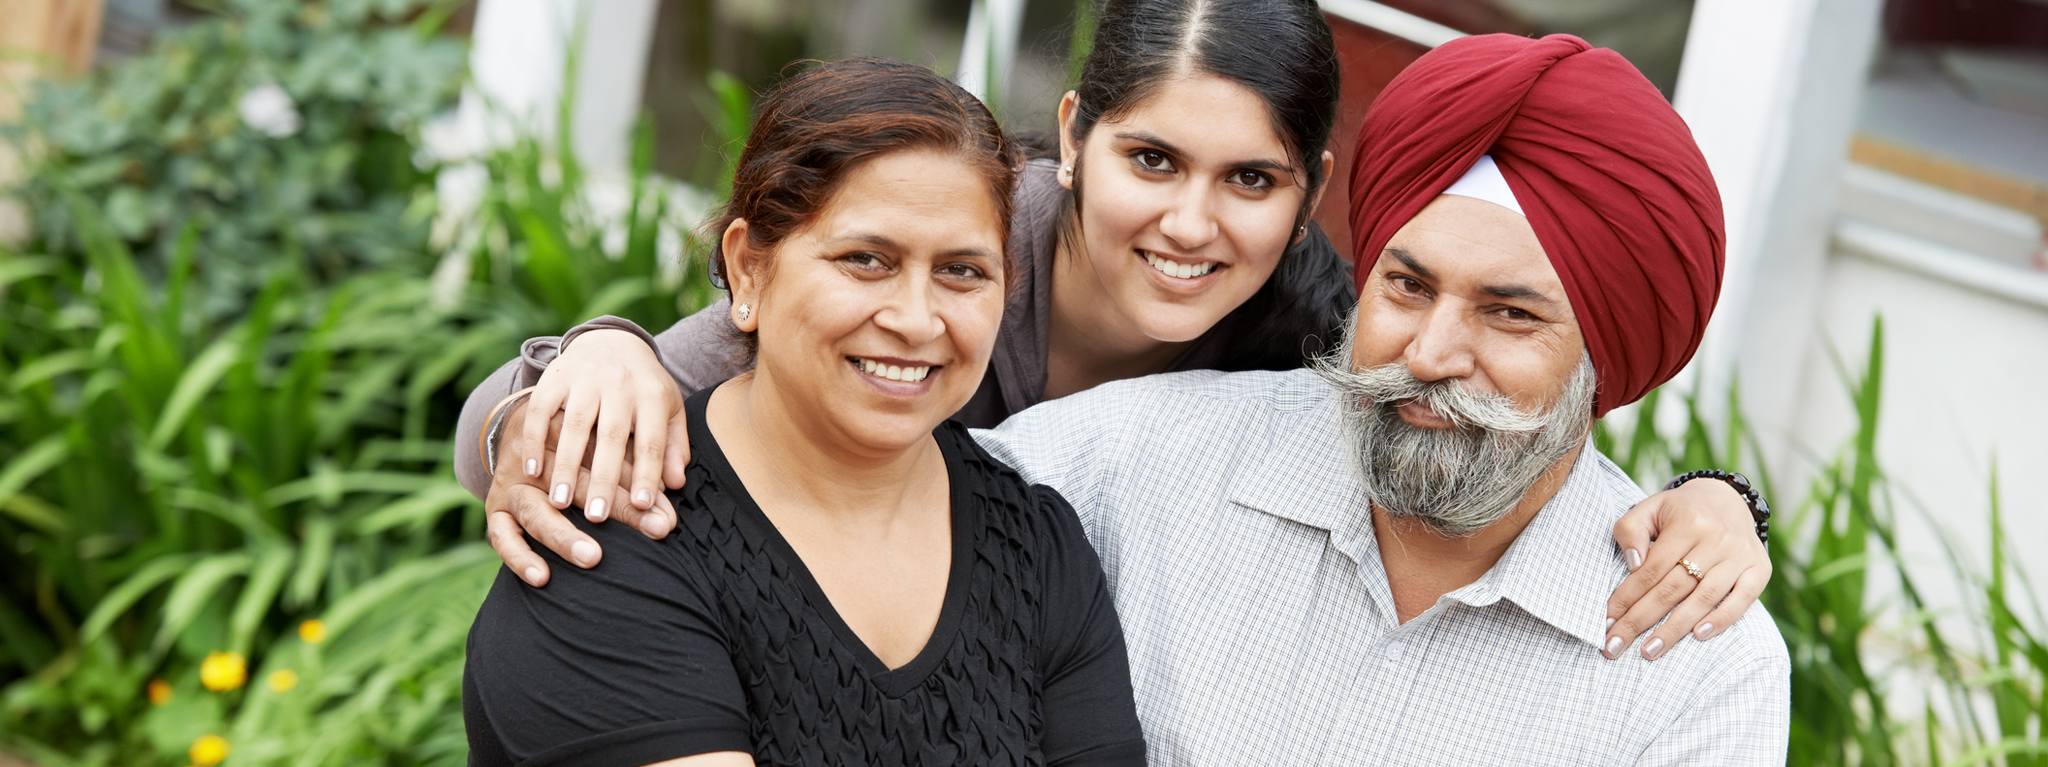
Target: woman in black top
x=850 y=585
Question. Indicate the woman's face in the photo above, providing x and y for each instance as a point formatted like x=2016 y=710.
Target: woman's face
x=1187 y=202
x=877 y=320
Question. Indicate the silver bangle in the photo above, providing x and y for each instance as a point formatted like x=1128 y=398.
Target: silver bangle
x=496 y=429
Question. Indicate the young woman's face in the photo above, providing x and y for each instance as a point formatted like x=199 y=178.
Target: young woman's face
x=1187 y=202
x=877 y=320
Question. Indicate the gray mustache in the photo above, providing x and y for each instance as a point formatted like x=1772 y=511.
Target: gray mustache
x=1391 y=384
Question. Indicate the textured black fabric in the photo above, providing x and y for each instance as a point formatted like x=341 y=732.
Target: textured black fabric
x=717 y=638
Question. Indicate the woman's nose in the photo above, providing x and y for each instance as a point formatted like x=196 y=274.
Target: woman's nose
x=911 y=313
x=1190 y=220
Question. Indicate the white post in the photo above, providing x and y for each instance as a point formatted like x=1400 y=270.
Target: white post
x=1771 y=89
x=519 y=51
x=989 y=53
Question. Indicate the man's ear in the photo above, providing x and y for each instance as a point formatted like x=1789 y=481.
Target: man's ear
x=1070 y=151
x=732 y=246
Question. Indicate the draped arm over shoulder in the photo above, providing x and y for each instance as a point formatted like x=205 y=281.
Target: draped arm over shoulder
x=698 y=351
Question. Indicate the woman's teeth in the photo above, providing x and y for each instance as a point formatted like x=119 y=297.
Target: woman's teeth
x=892 y=372
x=1177 y=269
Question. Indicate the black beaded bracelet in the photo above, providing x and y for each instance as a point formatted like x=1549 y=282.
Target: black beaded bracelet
x=1759 y=509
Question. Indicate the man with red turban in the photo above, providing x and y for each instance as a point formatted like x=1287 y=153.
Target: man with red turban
x=1402 y=556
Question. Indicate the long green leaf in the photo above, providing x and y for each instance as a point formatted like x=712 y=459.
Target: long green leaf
x=315 y=550
x=416 y=510
x=192 y=591
x=198 y=379
x=38 y=458
x=258 y=596
x=125 y=595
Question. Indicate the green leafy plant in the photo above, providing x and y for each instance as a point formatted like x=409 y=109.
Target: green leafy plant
x=192 y=470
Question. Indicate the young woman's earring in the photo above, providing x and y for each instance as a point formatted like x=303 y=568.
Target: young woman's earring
x=1301 y=231
x=744 y=311
x=1067 y=171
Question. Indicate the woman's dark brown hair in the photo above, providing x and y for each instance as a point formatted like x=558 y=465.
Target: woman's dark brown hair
x=817 y=126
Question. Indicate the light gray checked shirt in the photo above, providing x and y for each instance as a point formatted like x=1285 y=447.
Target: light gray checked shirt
x=1262 y=630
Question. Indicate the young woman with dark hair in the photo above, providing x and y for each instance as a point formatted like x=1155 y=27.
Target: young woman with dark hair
x=857 y=582
x=1171 y=233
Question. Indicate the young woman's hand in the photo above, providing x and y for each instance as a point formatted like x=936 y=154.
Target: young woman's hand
x=1703 y=521
x=610 y=384
x=518 y=505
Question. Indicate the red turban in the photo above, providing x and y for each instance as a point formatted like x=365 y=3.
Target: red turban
x=1606 y=173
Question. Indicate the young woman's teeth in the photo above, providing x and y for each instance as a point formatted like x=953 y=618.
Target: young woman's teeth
x=1177 y=269
x=892 y=372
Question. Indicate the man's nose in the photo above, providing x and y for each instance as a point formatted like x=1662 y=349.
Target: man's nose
x=1442 y=346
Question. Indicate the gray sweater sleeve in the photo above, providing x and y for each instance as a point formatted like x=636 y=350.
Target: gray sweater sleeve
x=698 y=351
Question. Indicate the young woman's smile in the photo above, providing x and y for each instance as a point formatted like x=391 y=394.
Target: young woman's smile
x=1186 y=203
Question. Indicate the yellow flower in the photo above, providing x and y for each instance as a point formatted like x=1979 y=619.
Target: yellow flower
x=223 y=671
x=159 y=692
x=283 y=680
x=209 y=750
x=313 y=631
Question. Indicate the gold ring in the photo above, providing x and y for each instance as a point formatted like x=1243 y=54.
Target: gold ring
x=1693 y=570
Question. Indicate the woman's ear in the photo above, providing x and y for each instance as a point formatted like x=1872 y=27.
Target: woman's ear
x=1315 y=203
x=1070 y=151
x=732 y=246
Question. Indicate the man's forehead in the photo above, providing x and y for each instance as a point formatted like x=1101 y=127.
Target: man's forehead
x=1466 y=239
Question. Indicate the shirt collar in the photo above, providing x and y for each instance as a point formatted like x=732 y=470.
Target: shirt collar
x=1564 y=565
x=1302 y=471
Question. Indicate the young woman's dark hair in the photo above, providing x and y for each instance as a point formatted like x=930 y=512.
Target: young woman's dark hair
x=816 y=126
x=1281 y=50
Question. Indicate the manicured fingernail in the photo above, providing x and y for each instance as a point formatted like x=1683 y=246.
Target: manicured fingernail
x=1613 y=646
x=533 y=576
x=533 y=467
x=595 y=511
x=642 y=498
x=1705 y=630
x=651 y=524
x=1654 y=648
x=1610 y=624
x=584 y=552
x=1635 y=558
x=560 y=496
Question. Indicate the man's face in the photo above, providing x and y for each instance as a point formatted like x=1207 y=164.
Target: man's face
x=1467 y=370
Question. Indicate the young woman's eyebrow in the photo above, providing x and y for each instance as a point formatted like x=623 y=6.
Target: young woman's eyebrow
x=1144 y=137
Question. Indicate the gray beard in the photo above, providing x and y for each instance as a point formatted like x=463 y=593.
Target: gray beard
x=1461 y=479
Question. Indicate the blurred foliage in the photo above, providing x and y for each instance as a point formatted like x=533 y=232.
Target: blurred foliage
x=278 y=133
x=1980 y=707
x=230 y=358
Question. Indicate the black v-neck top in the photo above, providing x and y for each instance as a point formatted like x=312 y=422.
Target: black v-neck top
x=717 y=638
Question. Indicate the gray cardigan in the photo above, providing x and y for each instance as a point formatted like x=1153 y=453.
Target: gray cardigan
x=1296 y=316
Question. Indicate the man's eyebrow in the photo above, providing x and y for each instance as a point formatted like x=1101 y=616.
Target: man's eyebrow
x=880 y=240
x=1409 y=261
x=1154 y=139
x=1518 y=291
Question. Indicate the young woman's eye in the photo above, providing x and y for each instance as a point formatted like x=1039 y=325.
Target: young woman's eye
x=1153 y=160
x=1251 y=179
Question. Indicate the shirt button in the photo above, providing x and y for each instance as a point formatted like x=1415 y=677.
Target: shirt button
x=1393 y=654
